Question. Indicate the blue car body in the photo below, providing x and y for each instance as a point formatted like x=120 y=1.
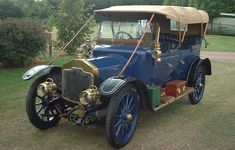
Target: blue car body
x=111 y=58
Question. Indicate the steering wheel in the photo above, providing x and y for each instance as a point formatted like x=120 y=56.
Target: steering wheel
x=122 y=34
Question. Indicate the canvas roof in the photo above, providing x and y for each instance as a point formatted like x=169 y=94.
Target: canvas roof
x=187 y=15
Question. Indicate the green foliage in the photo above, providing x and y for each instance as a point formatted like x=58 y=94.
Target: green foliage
x=39 y=10
x=8 y=9
x=214 y=7
x=54 y=3
x=35 y=9
x=230 y=5
x=68 y=19
x=20 y=41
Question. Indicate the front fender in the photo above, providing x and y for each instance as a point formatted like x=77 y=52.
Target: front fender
x=110 y=86
x=44 y=69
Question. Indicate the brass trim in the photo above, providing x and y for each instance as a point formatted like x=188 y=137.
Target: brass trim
x=85 y=65
x=80 y=110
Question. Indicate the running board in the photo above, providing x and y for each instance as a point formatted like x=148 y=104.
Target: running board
x=166 y=99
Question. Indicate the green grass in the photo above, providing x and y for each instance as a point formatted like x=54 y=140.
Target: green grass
x=220 y=43
x=208 y=125
x=61 y=60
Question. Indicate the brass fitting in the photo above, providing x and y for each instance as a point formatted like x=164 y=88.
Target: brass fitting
x=85 y=51
x=80 y=110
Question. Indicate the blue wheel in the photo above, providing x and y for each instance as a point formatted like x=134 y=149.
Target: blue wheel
x=198 y=85
x=122 y=116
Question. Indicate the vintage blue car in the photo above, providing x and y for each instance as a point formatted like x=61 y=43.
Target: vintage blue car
x=146 y=56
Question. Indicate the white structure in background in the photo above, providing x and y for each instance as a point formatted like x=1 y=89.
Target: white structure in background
x=224 y=24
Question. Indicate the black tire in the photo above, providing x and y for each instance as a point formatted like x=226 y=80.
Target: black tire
x=199 y=81
x=122 y=116
x=34 y=116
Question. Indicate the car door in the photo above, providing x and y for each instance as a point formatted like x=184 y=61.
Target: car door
x=161 y=69
x=173 y=64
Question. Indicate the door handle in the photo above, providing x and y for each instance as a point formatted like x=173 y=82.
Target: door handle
x=170 y=65
x=182 y=62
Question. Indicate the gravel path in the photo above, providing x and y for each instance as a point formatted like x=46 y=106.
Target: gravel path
x=219 y=56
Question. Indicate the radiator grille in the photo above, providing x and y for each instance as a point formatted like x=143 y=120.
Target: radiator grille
x=74 y=81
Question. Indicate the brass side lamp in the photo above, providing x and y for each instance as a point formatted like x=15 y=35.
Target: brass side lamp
x=157 y=52
x=157 y=48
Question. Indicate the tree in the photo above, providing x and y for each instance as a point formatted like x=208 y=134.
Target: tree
x=8 y=9
x=39 y=10
x=54 y=3
x=214 y=7
x=36 y=9
x=68 y=19
x=229 y=6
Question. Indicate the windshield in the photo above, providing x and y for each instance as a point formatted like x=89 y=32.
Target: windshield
x=122 y=30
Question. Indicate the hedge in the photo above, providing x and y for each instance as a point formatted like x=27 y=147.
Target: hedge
x=21 y=40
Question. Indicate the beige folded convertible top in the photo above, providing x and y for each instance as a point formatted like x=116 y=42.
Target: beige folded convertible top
x=186 y=15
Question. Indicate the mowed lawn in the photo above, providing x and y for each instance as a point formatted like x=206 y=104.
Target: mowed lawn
x=208 y=125
x=220 y=43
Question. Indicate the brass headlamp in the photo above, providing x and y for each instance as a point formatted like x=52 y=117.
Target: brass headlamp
x=90 y=95
x=47 y=87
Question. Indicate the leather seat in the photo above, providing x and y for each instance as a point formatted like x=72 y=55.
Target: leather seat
x=190 y=41
x=168 y=41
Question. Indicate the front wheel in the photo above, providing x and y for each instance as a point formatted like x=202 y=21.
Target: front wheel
x=122 y=116
x=40 y=109
x=198 y=85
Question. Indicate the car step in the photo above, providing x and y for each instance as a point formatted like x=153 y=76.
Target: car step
x=166 y=99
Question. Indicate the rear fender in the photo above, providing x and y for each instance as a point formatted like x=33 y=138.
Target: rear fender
x=206 y=63
x=197 y=62
x=42 y=69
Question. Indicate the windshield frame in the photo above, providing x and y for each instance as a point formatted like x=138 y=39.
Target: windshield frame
x=130 y=29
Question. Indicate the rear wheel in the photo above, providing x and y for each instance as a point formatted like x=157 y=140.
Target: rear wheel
x=41 y=109
x=198 y=85
x=122 y=117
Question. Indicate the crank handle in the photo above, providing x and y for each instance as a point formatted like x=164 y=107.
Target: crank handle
x=170 y=65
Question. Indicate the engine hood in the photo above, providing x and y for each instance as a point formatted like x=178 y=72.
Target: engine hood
x=108 y=65
x=110 y=59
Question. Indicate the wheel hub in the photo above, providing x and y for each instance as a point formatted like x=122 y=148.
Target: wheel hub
x=129 y=117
